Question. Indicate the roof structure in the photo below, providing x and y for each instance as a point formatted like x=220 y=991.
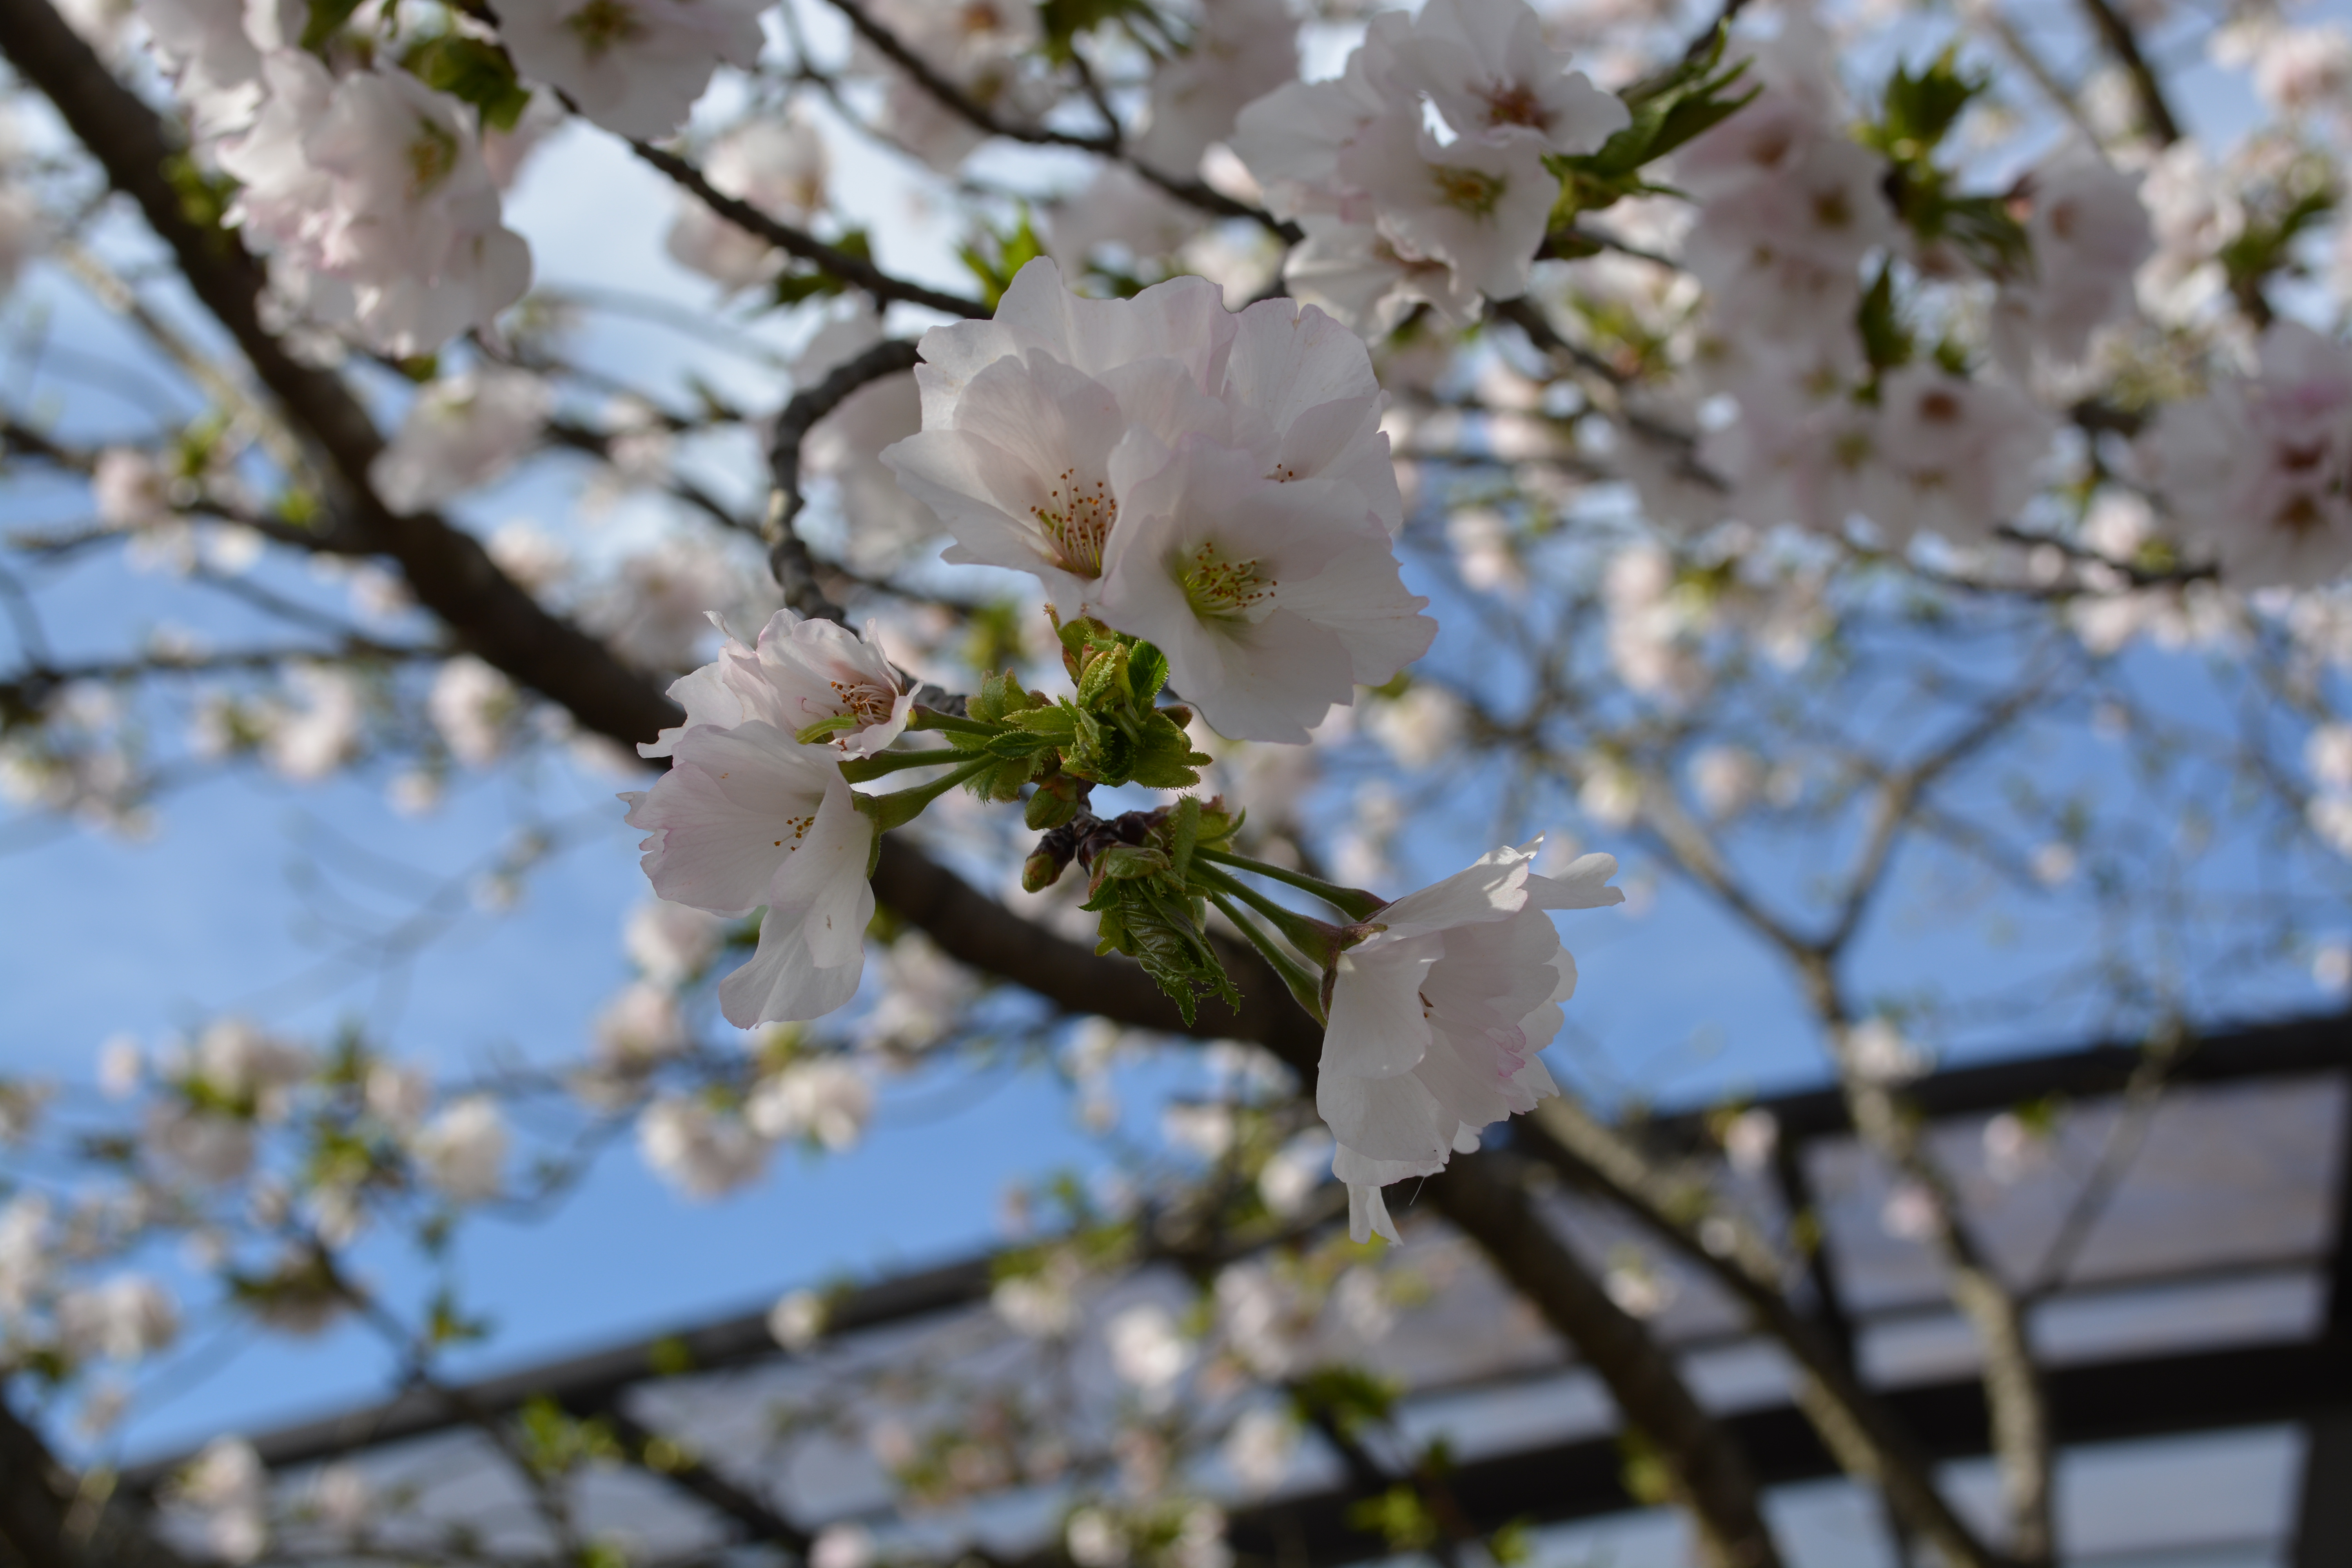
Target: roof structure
x=2186 y=1253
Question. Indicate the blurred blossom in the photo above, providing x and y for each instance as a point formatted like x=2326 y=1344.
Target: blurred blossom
x=797 y=1321
x=120 y=1066
x=1291 y=1175
x=397 y=1094
x=1750 y=1139
x=702 y=1151
x=2327 y=753
x=1634 y=1283
x=128 y=1317
x=841 y=1546
x=1147 y=1352
x=463 y=1151
x=227 y=1485
x=1727 y=778
x=639 y=1027
x=1095 y=1540
x=2054 y=864
x=1042 y=1304
x=1876 y=1053
x=823 y=1099
x=1206 y=1130
x=1611 y=795
x=2012 y=1147
x=2331 y=966
x=1422 y=726
x=1909 y=1213
x=342 y=1499
x=1261 y=1448
x=473 y=706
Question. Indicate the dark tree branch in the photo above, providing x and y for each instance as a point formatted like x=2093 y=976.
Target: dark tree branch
x=2116 y=32
x=788 y=556
x=834 y=262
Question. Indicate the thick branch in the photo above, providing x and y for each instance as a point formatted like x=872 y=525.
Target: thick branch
x=49 y=1518
x=1855 y=1425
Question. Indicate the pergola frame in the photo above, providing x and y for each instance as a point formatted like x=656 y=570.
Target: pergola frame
x=2306 y=1383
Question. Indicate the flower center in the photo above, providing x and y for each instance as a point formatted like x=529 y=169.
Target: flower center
x=865 y=702
x=1472 y=190
x=1220 y=589
x=1513 y=103
x=432 y=158
x=1077 y=518
x=601 y=24
x=799 y=827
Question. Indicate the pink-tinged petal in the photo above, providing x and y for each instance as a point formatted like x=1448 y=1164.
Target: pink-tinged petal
x=1378 y=1028
x=724 y=819
x=822 y=886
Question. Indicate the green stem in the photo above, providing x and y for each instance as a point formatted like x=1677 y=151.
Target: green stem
x=1305 y=987
x=1317 y=940
x=857 y=770
x=900 y=807
x=1353 y=903
x=932 y=719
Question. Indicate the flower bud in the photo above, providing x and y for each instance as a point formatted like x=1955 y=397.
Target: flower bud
x=1041 y=871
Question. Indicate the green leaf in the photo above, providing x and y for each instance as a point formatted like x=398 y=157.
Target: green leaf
x=1063 y=20
x=1916 y=112
x=325 y=19
x=1884 y=338
x=1147 y=672
x=468 y=69
x=997 y=257
x=1183 y=830
x=1164 y=757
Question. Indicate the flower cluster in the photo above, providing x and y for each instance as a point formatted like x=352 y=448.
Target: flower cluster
x=1215 y=484
x=2257 y=473
x=754 y=810
x=1395 y=216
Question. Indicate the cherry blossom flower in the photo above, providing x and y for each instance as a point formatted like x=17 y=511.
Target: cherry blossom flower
x=800 y=675
x=1954 y=456
x=373 y=190
x=1488 y=68
x=1241 y=50
x=778 y=165
x=1021 y=414
x=461 y=431
x=1272 y=602
x=2256 y=471
x=1436 y=1016
x=634 y=67
x=1359 y=275
x=985 y=48
x=2088 y=235
x=1480 y=207
x=747 y=816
